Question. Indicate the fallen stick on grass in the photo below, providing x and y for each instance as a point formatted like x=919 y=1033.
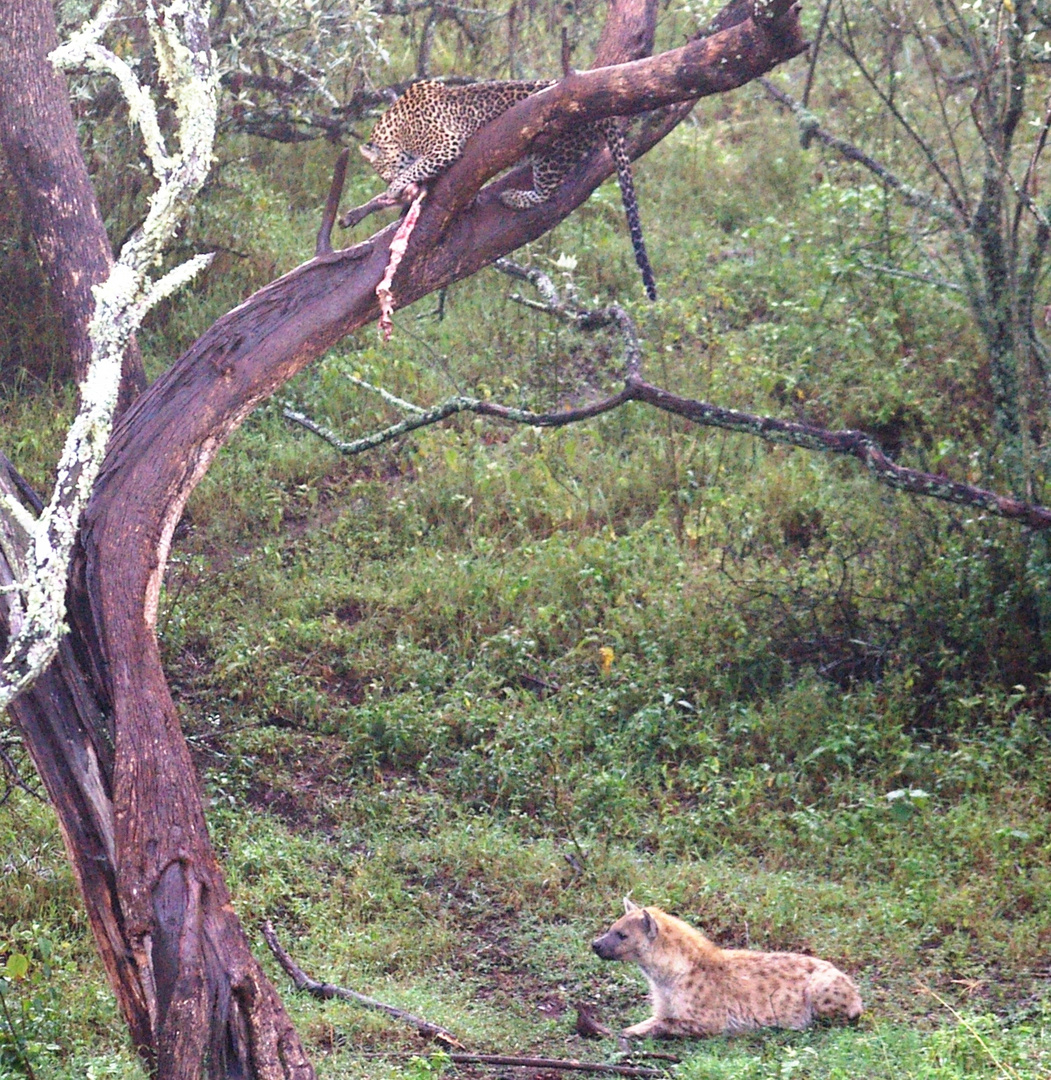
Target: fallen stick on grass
x=537 y=1063
x=325 y=990
x=557 y=1063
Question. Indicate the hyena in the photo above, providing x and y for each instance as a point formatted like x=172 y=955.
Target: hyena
x=698 y=989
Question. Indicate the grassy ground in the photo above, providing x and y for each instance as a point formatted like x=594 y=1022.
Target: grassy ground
x=818 y=723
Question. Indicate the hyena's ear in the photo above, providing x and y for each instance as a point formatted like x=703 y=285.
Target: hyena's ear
x=630 y=905
x=649 y=925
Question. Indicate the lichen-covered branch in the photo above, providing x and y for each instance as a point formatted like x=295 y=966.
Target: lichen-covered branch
x=179 y=30
x=856 y=444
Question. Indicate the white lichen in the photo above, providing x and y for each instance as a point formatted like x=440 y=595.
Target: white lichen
x=38 y=549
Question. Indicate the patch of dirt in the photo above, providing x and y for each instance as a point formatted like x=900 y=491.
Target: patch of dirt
x=553 y=1005
x=305 y=784
x=350 y=687
x=350 y=613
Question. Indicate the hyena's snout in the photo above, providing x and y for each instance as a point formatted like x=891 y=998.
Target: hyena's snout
x=605 y=947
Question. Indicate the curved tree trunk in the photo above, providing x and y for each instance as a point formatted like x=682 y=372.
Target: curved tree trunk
x=39 y=139
x=176 y=955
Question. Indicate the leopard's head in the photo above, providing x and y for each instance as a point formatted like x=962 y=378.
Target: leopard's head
x=384 y=159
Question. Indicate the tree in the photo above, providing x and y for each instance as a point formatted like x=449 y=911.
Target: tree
x=103 y=728
x=965 y=85
x=39 y=141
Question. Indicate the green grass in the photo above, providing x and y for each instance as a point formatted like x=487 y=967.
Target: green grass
x=461 y=919
x=824 y=723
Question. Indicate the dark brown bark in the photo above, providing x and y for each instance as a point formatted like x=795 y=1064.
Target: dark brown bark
x=39 y=139
x=176 y=955
x=705 y=66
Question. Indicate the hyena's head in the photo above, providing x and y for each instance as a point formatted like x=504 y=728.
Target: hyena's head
x=631 y=937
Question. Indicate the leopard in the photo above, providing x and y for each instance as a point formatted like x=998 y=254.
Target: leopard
x=426 y=129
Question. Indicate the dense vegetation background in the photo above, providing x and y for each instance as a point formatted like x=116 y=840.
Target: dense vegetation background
x=453 y=699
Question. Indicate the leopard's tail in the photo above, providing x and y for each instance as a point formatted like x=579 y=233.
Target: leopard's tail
x=615 y=140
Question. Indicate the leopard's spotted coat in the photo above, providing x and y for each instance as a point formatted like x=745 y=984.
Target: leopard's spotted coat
x=426 y=129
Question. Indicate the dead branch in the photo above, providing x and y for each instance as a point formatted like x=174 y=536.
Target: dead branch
x=557 y=1063
x=14 y=780
x=582 y=318
x=811 y=129
x=325 y=991
x=588 y=1025
x=850 y=49
x=772 y=429
x=539 y=1063
x=335 y=193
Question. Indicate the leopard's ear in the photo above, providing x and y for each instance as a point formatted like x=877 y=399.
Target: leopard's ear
x=630 y=905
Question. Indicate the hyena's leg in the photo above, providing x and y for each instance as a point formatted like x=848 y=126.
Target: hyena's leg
x=650 y=1027
x=670 y=1027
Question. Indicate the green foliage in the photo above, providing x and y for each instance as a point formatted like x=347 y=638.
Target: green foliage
x=29 y=1002
x=451 y=700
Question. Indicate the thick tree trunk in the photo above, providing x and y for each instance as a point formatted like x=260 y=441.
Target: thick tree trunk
x=176 y=955
x=39 y=139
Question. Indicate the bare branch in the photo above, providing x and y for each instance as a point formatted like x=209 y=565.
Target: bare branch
x=561 y=1064
x=15 y=781
x=582 y=318
x=850 y=50
x=557 y=1063
x=815 y=51
x=810 y=128
x=1034 y=159
x=940 y=82
x=908 y=275
x=391 y=399
x=856 y=444
x=325 y=991
x=323 y=245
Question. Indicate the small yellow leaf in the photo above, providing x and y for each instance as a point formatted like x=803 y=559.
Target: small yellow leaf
x=605 y=659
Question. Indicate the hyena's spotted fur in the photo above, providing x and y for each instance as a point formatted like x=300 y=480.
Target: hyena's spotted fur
x=698 y=989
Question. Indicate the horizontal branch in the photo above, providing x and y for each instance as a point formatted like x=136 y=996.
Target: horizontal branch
x=854 y=444
x=710 y=64
x=561 y=1064
x=847 y=442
